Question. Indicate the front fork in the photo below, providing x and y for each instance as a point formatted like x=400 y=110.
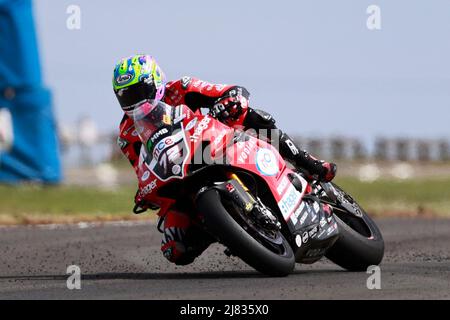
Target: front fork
x=237 y=192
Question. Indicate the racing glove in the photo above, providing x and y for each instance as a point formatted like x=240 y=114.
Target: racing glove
x=142 y=205
x=230 y=106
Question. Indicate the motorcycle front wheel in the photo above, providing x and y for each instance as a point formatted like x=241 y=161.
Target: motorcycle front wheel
x=270 y=256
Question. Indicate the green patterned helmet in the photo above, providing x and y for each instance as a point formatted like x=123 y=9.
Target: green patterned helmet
x=138 y=79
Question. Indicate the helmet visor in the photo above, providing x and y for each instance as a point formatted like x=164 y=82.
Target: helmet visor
x=132 y=96
x=150 y=117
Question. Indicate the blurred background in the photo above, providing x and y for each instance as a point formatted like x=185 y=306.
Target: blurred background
x=364 y=84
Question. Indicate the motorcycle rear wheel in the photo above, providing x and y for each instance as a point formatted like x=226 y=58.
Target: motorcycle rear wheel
x=360 y=243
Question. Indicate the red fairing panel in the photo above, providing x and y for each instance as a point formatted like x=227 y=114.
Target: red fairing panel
x=253 y=155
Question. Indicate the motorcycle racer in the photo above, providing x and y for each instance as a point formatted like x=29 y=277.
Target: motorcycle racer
x=138 y=79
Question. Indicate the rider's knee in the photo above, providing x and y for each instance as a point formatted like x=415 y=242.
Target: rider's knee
x=176 y=252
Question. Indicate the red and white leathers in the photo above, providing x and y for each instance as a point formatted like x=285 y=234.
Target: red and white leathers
x=182 y=241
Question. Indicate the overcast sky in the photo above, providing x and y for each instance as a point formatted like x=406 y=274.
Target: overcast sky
x=313 y=64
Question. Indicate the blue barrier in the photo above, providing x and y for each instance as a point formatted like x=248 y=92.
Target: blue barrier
x=34 y=153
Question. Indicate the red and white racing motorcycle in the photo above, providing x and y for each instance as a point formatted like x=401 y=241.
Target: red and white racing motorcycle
x=244 y=194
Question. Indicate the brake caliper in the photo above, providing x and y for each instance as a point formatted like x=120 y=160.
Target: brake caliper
x=265 y=217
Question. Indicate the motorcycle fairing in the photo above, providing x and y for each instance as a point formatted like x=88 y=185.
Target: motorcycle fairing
x=312 y=232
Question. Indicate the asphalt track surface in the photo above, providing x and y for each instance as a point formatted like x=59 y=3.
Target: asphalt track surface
x=125 y=262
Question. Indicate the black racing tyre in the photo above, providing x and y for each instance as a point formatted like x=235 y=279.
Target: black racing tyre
x=360 y=243
x=231 y=234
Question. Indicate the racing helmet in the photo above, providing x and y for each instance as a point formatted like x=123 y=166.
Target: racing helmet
x=137 y=79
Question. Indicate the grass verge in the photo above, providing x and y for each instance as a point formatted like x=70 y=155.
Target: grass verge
x=421 y=197
x=32 y=204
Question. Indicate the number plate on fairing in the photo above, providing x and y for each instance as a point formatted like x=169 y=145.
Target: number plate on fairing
x=169 y=157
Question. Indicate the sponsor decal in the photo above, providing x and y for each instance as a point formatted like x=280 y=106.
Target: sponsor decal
x=185 y=81
x=167 y=119
x=294 y=219
x=205 y=84
x=202 y=126
x=200 y=83
x=158 y=134
x=305 y=237
x=289 y=201
x=148 y=188
x=220 y=87
x=124 y=78
x=331 y=228
x=292 y=147
x=297 y=213
x=321 y=233
x=172 y=156
x=313 y=232
x=298 y=240
x=167 y=142
x=191 y=124
x=128 y=130
x=176 y=169
x=304 y=216
x=282 y=185
x=197 y=83
x=145 y=176
x=247 y=150
x=167 y=154
x=230 y=187
x=122 y=143
x=266 y=162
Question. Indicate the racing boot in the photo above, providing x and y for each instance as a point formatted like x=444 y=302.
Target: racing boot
x=325 y=171
x=261 y=120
